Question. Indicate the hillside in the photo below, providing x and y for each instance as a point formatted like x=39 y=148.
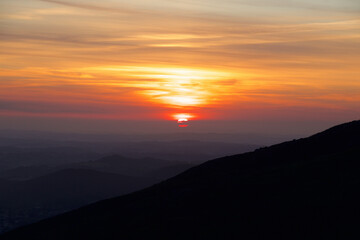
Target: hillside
x=302 y=189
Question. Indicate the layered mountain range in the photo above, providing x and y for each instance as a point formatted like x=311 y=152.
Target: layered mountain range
x=301 y=189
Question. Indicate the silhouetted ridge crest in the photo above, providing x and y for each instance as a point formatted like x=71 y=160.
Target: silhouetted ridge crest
x=347 y=133
x=335 y=139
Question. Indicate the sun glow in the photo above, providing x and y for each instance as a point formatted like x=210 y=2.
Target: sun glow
x=182 y=116
x=182 y=100
x=175 y=87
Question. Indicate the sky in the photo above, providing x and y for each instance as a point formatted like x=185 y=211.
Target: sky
x=87 y=62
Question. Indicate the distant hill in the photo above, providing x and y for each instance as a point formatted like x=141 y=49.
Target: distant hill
x=126 y=165
x=19 y=153
x=70 y=184
x=16 y=157
x=139 y=167
x=24 y=202
x=28 y=172
x=302 y=189
x=185 y=150
x=23 y=161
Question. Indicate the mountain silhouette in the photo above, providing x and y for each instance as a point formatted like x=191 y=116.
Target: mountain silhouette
x=301 y=189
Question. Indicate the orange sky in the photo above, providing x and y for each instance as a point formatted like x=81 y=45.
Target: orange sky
x=155 y=59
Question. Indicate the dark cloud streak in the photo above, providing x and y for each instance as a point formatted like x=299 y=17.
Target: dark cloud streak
x=95 y=8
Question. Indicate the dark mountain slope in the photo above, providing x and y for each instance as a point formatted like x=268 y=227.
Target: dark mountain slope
x=303 y=189
x=168 y=172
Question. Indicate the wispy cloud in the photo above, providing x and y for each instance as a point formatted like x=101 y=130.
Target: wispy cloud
x=123 y=10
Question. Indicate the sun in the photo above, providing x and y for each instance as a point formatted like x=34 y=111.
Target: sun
x=183 y=119
x=183 y=122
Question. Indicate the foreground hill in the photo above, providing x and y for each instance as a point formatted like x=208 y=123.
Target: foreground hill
x=303 y=189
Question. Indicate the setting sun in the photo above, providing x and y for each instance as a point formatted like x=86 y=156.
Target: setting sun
x=183 y=119
x=183 y=122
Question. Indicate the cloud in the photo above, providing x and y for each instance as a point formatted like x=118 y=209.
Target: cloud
x=95 y=7
x=76 y=107
x=329 y=5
